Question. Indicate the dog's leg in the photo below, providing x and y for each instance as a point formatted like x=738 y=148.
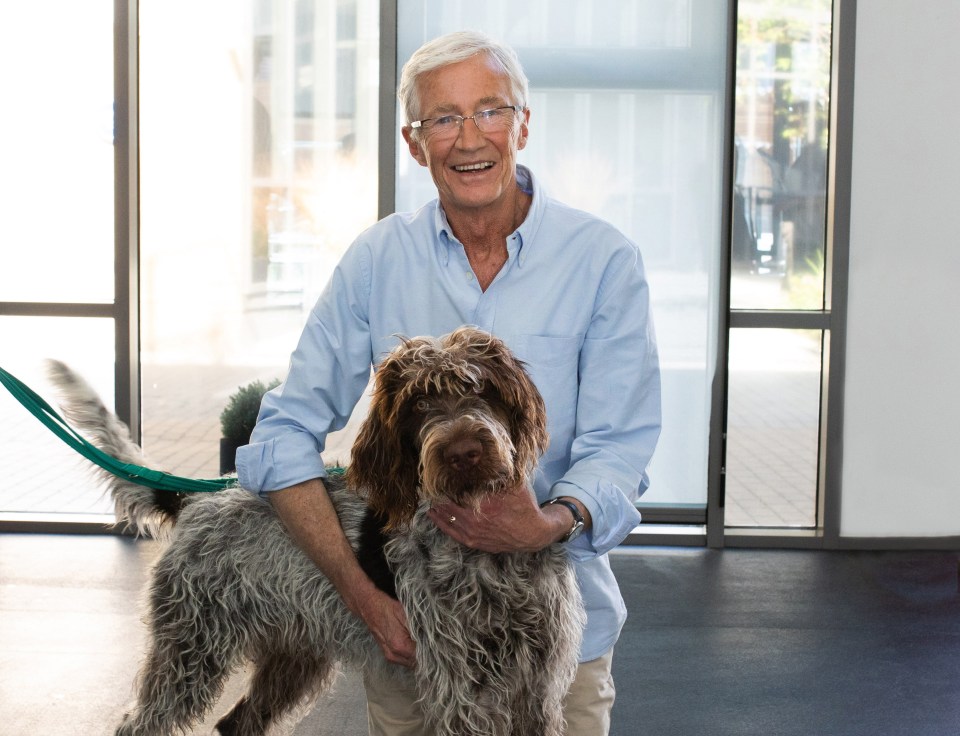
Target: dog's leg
x=535 y=713
x=176 y=687
x=282 y=684
x=191 y=654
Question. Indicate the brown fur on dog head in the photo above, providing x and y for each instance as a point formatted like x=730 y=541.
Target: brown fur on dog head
x=468 y=365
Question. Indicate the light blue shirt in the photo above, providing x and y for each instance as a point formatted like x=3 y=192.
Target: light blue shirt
x=571 y=301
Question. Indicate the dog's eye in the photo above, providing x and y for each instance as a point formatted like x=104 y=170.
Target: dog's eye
x=422 y=405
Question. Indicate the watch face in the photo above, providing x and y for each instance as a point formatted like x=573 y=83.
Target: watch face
x=575 y=532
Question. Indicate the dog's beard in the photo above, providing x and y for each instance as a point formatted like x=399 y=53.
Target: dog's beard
x=465 y=483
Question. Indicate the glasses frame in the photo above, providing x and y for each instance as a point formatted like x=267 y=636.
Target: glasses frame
x=420 y=124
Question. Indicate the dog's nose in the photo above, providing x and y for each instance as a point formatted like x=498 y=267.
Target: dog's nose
x=463 y=454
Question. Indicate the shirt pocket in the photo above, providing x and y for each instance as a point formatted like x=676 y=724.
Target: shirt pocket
x=553 y=364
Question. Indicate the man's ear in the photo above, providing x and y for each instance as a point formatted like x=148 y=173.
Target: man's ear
x=524 y=130
x=413 y=145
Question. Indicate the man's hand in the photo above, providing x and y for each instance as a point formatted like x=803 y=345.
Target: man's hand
x=308 y=515
x=385 y=618
x=511 y=522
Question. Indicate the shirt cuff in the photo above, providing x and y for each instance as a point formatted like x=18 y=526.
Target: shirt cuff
x=279 y=463
x=612 y=517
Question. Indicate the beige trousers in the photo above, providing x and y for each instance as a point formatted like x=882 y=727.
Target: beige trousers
x=391 y=710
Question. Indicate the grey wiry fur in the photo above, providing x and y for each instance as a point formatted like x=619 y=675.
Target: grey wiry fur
x=497 y=635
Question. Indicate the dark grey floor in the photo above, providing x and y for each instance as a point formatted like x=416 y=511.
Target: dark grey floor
x=785 y=643
x=733 y=642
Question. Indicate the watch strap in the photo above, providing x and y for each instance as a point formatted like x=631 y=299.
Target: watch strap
x=578 y=521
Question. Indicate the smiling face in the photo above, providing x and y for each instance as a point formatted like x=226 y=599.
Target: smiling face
x=475 y=173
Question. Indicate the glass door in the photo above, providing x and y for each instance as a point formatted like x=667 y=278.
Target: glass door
x=627 y=118
x=780 y=310
x=258 y=151
x=57 y=249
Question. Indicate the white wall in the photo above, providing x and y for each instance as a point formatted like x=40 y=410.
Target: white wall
x=902 y=410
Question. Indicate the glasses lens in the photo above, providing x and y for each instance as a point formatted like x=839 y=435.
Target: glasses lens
x=493 y=120
x=446 y=125
x=487 y=121
x=443 y=127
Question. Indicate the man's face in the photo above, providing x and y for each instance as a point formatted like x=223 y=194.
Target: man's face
x=473 y=170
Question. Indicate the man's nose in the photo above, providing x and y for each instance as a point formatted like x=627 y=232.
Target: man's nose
x=469 y=134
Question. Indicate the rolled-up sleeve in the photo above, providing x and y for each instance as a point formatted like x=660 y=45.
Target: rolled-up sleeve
x=618 y=408
x=327 y=375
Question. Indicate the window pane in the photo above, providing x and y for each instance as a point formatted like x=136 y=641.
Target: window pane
x=56 y=190
x=773 y=428
x=42 y=474
x=782 y=110
x=626 y=122
x=258 y=168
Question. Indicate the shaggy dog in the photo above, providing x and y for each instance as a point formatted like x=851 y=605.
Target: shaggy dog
x=497 y=635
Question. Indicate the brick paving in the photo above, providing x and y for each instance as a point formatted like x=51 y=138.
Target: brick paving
x=773 y=418
x=771 y=461
x=772 y=428
x=42 y=475
x=772 y=451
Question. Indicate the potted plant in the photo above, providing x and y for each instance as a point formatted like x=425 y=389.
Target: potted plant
x=238 y=419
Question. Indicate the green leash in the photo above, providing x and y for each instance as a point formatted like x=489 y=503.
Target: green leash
x=134 y=473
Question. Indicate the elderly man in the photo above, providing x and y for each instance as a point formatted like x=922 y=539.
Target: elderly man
x=563 y=289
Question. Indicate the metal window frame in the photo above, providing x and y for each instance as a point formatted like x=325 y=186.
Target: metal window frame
x=676 y=526
x=124 y=310
x=831 y=321
x=389 y=78
x=126 y=56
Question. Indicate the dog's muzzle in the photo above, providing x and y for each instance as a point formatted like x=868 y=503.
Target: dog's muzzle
x=465 y=456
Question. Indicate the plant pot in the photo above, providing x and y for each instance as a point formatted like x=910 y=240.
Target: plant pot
x=228 y=455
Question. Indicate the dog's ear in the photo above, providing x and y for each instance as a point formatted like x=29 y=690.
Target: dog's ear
x=528 y=414
x=507 y=375
x=384 y=467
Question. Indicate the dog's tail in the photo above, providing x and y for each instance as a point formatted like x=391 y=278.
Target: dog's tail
x=149 y=511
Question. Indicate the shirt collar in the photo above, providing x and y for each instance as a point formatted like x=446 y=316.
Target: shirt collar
x=531 y=223
x=523 y=236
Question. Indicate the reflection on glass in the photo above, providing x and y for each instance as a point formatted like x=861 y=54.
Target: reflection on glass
x=773 y=428
x=56 y=186
x=258 y=169
x=314 y=183
x=42 y=474
x=782 y=109
x=626 y=122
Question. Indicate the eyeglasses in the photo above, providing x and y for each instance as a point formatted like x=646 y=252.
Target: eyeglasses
x=487 y=121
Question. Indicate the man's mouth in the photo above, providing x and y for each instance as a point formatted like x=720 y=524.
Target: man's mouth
x=474 y=167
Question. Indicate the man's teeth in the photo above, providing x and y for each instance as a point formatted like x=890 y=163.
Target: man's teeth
x=474 y=167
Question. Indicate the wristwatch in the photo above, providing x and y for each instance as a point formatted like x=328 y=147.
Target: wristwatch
x=577 y=529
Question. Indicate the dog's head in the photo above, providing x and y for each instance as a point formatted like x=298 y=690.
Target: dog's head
x=455 y=417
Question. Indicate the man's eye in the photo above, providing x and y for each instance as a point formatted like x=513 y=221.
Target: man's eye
x=446 y=121
x=488 y=114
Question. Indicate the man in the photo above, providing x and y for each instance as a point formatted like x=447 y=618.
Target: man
x=566 y=292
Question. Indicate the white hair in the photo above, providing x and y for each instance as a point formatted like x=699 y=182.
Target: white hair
x=453 y=48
